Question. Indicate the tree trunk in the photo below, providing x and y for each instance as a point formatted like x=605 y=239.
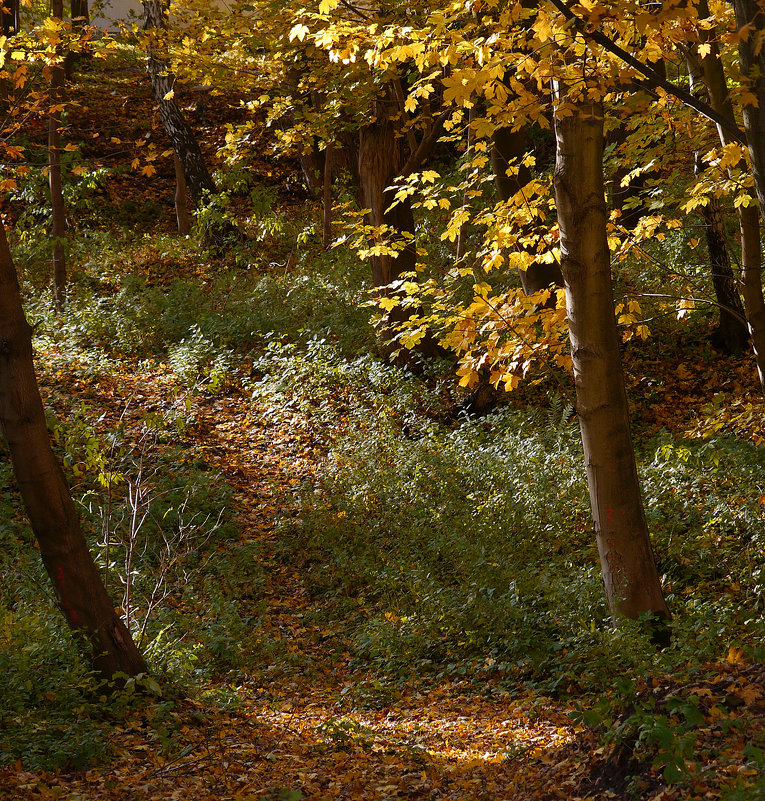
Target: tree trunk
x=748 y=216
x=11 y=22
x=181 y=203
x=380 y=161
x=326 y=230
x=79 y=591
x=509 y=147
x=58 y=212
x=732 y=332
x=80 y=16
x=181 y=136
x=751 y=15
x=629 y=571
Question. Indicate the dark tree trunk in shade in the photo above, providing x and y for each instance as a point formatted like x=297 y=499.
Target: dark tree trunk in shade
x=380 y=162
x=508 y=147
x=732 y=332
x=748 y=216
x=79 y=591
x=182 y=216
x=326 y=229
x=629 y=571
x=58 y=211
x=11 y=21
x=80 y=15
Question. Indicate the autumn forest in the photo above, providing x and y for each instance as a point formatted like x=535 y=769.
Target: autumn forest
x=382 y=399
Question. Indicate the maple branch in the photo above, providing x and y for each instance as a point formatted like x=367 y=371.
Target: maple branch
x=355 y=10
x=426 y=145
x=653 y=78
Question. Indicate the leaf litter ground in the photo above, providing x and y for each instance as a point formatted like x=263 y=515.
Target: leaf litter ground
x=309 y=725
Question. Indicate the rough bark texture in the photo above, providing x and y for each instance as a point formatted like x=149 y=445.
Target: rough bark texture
x=629 y=572
x=78 y=588
x=748 y=216
x=58 y=211
x=508 y=147
x=179 y=132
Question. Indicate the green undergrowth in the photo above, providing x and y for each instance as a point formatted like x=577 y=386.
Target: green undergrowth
x=464 y=547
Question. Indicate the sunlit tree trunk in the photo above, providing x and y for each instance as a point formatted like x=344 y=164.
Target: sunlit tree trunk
x=629 y=571
x=78 y=588
x=58 y=211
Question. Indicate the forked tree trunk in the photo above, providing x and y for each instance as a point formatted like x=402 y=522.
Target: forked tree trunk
x=629 y=571
x=79 y=591
x=198 y=178
x=58 y=211
x=508 y=148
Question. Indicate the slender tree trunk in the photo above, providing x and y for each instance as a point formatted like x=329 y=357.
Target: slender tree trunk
x=80 y=15
x=462 y=237
x=182 y=215
x=326 y=230
x=11 y=22
x=748 y=216
x=179 y=132
x=629 y=571
x=79 y=591
x=508 y=147
x=56 y=97
x=750 y=15
x=732 y=332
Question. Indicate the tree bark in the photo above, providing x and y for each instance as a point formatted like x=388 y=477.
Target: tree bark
x=380 y=163
x=79 y=591
x=732 y=332
x=11 y=22
x=198 y=178
x=58 y=211
x=326 y=230
x=80 y=16
x=510 y=146
x=748 y=216
x=181 y=203
x=629 y=571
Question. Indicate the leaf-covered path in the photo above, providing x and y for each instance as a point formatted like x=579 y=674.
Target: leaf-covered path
x=320 y=730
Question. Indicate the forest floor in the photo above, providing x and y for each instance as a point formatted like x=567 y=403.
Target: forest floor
x=312 y=724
